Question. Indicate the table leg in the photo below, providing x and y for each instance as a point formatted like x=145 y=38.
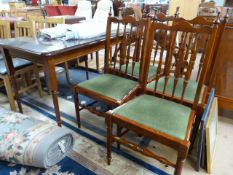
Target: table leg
x=11 y=72
x=53 y=86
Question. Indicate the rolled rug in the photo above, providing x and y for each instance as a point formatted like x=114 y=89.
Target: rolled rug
x=28 y=141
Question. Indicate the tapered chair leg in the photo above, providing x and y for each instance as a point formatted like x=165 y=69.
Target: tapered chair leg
x=47 y=82
x=86 y=68
x=76 y=103
x=180 y=161
x=97 y=60
x=119 y=129
x=37 y=76
x=9 y=93
x=67 y=72
x=109 y=138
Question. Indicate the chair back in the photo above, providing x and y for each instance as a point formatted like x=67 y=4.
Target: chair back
x=196 y=22
x=104 y=9
x=125 y=53
x=52 y=10
x=5 y=31
x=25 y=29
x=39 y=22
x=173 y=75
x=84 y=9
x=53 y=21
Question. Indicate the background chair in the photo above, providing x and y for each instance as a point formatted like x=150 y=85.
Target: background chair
x=113 y=88
x=162 y=117
x=67 y=10
x=23 y=67
x=39 y=22
x=52 y=10
x=25 y=29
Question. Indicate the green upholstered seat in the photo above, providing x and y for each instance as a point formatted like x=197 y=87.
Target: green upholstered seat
x=165 y=116
x=190 y=91
x=151 y=73
x=109 y=85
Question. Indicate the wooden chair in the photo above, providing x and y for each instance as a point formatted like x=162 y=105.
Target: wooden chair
x=22 y=67
x=157 y=114
x=53 y=21
x=27 y=29
x=113 y=88
x=158 y=39
x=39 y=22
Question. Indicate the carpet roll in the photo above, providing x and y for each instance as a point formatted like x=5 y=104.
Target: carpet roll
x=29 y=141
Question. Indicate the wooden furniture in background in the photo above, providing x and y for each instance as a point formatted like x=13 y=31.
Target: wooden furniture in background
x=22 y=67
x=38 y=21
x=53 y=21
x=25 y=29
x=162 y=115
x=222 y=75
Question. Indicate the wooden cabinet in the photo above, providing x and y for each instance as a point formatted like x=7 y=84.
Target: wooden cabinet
x=223 y=70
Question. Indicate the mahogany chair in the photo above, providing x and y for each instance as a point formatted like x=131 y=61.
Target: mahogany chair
x=114 y=87
x=157 y=114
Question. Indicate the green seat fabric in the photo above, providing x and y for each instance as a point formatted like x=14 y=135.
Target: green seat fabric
x=151 y=73
x=190 y=91
x=165 y=116
x=109 y=85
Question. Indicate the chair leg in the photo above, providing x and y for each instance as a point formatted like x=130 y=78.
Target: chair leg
x=47 y=82
x=76 y=103
x=182 y=154
x=119 y=129
x=37 y=76
x=86 y=68
x=109 y=138
x=9 y=93
x=28 y=79
x=67 y=72
x=97 y=60
x=91 y=56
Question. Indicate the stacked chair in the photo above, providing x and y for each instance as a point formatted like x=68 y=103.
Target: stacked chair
x=24 y=68
x=165 y=110
x=167 y=107
x=117 y=85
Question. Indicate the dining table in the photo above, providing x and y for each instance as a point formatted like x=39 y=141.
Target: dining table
x=49 y=53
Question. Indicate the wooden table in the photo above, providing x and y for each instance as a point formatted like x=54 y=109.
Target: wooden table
x=48 y=53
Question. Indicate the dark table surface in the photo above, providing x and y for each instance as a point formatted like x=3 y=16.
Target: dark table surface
x=48 y=47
